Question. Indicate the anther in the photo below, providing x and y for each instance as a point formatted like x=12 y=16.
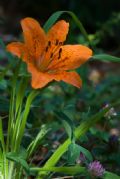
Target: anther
x=49 y=43
x=57 y=42
x=51 y=55
x=60 y=43
x=46 y=48
x=60 y=51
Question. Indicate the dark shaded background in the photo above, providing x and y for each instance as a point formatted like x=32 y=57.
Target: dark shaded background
x=92 y=13
x=99 y=17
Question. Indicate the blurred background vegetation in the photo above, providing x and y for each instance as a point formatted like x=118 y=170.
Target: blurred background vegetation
x=101 y=81
x=99 y=17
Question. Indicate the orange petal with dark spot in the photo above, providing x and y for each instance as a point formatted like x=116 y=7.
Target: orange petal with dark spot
x=34 y=36
x=41 y=79
x=72 y=56
x=58 y=32
x=56 y=36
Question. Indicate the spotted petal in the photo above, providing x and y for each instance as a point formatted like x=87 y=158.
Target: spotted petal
x=41 y=79
x=72 y=56
x=34 y=36
x=58 y=32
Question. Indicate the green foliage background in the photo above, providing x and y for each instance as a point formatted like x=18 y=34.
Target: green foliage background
x=101 y=19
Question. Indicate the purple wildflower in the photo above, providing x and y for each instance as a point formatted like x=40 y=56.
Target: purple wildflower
x=96 y=169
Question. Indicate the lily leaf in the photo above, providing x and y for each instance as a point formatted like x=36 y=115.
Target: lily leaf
x=109 y=175
x=67 y=123
x=19 y=158
x=72 y=170
x=74 y=151
x=106 y=57
x=54 y=17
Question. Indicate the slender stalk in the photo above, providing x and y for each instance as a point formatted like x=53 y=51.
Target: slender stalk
x=21 y=129
x=11 y=119
x=35 y=143
x=12 y=106
x=80 y=130
x=68 y=170
x=11 y=169
x=3 y=160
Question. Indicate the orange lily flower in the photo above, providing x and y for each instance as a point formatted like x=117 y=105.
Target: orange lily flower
x=46 y=57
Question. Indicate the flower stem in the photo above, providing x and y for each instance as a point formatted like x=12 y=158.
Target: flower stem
x=80 y=130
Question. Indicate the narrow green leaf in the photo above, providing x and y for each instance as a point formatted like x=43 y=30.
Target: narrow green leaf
x=17 y=157
x=86 y=153
x=80 y=130
x=105 y=57
x=74 y=151
x=12 y=104
x=1 y=161
x=21 y=92
x=18 y=108
x=67 y=170
x=36 y=142
x=2 y=135
x=67 y=123
x=89 y=122
x=20 y=133
x=109 y=175
x=54 y=17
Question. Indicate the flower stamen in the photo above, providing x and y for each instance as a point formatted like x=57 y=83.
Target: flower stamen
x=48 y=46
x=57 y=42
x=60 y=51
x=51 y=55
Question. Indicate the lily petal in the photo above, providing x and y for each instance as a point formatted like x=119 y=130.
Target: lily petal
x=69 y=77
x=58 y=32
x=34 y=36
x=55 y=36
x=72 y=56
x=41 y=79
x=18 y=49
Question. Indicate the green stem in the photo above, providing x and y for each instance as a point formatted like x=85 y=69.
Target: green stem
x=12 y=107
x=11 y=119
x=20 y=93
x=4 y=162
x=82 y=129
x=57 y=14
x=79 y=24
x=21 y=129
x=6 y=169
x=2 y=135
x=72 y=170
x=35 y=143
x=11 y=168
